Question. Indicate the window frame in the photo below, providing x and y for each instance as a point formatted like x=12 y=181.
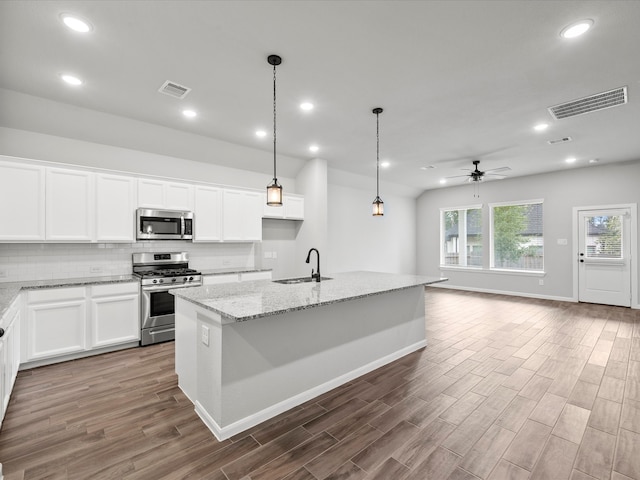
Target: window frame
x=492 y=266
x=462 y=239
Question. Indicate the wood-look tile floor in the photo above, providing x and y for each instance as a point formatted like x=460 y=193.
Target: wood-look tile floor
x=508 y=388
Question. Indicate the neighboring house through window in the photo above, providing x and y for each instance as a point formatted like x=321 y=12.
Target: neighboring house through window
x=461 y=236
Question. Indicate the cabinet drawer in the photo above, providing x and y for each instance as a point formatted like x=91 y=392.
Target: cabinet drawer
x=114 y=289
x=56 y=294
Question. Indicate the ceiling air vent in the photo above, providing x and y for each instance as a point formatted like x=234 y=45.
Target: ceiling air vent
x=593 y=103
x=559 y=140
x=174 y=90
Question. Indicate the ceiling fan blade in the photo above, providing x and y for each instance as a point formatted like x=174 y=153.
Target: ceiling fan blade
x=458 y=176
x=494 y=170
x=496 y=175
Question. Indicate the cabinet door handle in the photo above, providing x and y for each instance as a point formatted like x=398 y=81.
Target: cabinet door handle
x=1 y=332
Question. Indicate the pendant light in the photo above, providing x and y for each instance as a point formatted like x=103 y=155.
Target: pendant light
x=274 y=189
x=378 y=204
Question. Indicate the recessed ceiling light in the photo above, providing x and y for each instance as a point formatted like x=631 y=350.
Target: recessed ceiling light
x=443 y=181
x=594 y=160
x=189 y=113
x=576 y=29
x=314 y=148
x=384 y=164
x=261 y=133
x=571 y=160
x=76 y=24
x=71 y=79
x=306 y=106
x=541 y=127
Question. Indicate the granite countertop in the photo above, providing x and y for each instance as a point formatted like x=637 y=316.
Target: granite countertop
x=225 y=271
x=250 y=300
x=9 y=291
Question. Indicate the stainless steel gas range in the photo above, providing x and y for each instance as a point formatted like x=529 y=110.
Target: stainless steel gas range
x=159 y=273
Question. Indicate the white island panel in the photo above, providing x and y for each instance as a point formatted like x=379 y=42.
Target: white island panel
x=249 y=371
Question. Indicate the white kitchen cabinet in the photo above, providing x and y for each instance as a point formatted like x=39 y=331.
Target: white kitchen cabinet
x=9 y=353
x=208 y=214
x=114 y=315
x=161 y=194
x=242 y=215
x=56 y=322
x=68 y=322
x=69 y=205
x=292 y=208
x=22 y=198
x=115 y=208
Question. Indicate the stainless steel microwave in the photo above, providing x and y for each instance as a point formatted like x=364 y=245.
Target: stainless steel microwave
x=164 y=224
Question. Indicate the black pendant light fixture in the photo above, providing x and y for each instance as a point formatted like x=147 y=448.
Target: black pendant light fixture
x=274 y=189
x=378 y=204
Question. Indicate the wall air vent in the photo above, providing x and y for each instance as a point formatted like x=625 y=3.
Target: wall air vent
x=559 y=140
x=174 y=90
x=592 y=103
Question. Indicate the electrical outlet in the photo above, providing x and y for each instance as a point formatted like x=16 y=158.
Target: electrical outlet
x=95 y=269
x=205 y=335
x=541 y=282
x=267 y=255
x=3 y=274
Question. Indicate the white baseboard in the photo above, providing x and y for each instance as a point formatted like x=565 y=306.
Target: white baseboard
x=222 y=433
x=503 y=292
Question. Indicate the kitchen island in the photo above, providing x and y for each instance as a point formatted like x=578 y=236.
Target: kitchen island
x=247 y=352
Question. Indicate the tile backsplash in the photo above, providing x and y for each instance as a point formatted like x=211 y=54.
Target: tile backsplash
x=42 y=261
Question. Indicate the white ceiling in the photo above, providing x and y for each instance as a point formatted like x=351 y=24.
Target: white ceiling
x=458 y=80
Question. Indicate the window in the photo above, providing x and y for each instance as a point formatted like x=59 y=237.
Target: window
x=604 y=236
x=517 y=242
x=461 y=232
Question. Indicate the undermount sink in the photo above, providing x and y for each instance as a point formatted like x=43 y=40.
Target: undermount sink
x=291 y=281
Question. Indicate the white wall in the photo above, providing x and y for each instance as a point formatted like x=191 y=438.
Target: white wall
x=561 y=192
x=360 y=241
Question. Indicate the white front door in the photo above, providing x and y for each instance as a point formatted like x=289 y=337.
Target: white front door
x=604 y=254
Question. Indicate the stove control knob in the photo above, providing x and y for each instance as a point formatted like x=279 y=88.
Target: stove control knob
x=190 y=278
x=185 y=279
x=155 y=281
x=161 y=281
x=173 y=280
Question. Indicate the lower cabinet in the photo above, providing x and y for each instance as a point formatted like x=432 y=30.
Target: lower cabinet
x=9 y=353
x=66 y=321
x=56 y=322
x=114 y=314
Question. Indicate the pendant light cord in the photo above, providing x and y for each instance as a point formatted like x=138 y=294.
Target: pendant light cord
x=274 y=123
x=377 y=155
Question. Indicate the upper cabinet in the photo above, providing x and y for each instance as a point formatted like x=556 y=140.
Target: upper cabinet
x=115 y=208
x=241 y=215
x=208 y=214
x=22 y=202
x=292 y=208
x=42 y=203
x=165 y=195
x=69 y=210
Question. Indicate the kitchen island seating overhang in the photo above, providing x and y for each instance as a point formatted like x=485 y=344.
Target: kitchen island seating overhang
x=246 y=353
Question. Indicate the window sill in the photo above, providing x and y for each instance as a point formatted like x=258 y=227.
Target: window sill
x=523 y=273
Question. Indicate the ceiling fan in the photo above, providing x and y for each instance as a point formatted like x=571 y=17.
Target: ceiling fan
x=477 y=175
